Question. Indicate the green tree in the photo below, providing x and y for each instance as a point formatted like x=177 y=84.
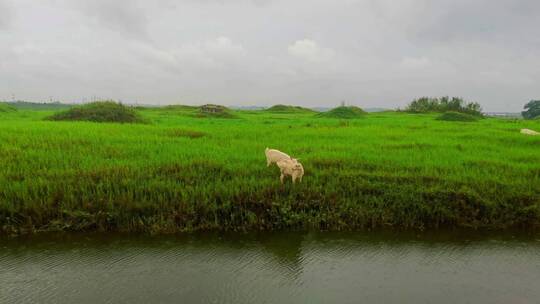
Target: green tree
x=444 y=104
x=532 y=110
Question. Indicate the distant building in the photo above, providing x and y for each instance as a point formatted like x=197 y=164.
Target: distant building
x=503 y=114
x=211 y=108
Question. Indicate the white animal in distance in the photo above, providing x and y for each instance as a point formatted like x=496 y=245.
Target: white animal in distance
x=273 y=156
x=290 y=167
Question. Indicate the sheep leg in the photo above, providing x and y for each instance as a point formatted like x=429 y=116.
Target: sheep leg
x=281 y=178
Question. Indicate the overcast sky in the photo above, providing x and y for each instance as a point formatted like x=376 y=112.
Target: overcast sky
x=370 y=53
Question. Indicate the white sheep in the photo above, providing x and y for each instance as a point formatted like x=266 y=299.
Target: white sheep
x=273 y=156
x=529 y=132
x=290 y=167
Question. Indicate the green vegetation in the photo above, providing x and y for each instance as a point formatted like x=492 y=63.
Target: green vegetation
x=4 y=107
x=457 y=116
x=100 y=111
x=185 y=133
x=532 y=110
x=182 y=173
x=444 y=104
x=288 y=109
x=343 y=112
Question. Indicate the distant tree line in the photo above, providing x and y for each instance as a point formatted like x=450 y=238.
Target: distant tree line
x=444 y=104
x=532 y=110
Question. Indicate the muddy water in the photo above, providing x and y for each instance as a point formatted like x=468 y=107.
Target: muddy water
x=370 y=267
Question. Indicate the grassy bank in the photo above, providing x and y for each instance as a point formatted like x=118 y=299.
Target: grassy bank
x=181 y=172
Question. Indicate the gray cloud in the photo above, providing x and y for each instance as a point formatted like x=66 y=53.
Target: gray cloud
x=491 y=21
x=126 y=17
x=373 y=53
x=6 y=15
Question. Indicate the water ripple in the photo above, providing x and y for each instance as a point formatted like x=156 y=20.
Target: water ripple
x=270 y=268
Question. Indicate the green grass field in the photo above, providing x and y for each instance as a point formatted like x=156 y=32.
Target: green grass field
x=180 y=172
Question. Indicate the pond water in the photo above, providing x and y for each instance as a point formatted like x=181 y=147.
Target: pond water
x=367 y=267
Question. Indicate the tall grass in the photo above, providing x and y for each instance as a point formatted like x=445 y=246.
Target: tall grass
x=182 y=173
x=5 y=107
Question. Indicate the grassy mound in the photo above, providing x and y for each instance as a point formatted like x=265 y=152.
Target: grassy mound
x=4 y=107
x=101 y=111
x=214 y=111
x=344 y=113
x=457 y=116
x=180 y=108
x=279 y=108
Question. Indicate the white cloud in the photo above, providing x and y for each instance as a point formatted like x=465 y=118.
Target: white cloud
x=222 y=46
x=309 y=50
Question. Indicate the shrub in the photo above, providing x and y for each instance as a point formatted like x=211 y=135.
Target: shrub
x=457 y=116
x=532 y=110
x=344 y=112
x=444 y=104
x=100 y=111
